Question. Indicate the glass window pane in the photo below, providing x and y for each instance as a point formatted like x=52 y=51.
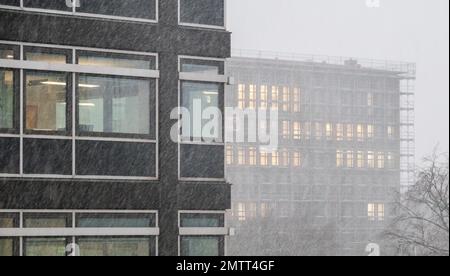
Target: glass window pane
x=9 y=220
x=116 y=60
x=204 y=12
x=46 y=104
x=50 y=55
x=197 y=97
x=10 y=2
x=10 y=155
x=117 y=246
x=7 y=99
x=201 y=246
x=38 y=220
x=202 y=66
x=144 y=9
x=9 y=51
x=6 y=247
x=114 y=105
x=47 y=4
x=48 y=247
x=202 y=220
x=115 y=220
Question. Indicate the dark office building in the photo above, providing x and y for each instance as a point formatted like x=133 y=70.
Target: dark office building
x=87 y=89
x=345 y=146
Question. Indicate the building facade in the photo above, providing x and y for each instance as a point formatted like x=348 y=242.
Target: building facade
x=87 y=162
x=345 y=146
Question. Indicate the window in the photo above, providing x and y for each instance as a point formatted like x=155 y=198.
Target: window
x=390 y=132
x=284 y=158
x=376 y=212
x=229 y=155
x=9 y=220
x=369 y=99
x=116 y=246
x=390 y=160
x=59 y=5
x=296 y=100
x=264 y=158
x=111 y=220
x=8 y=247
x=350 y=132
x=296 y=159
x=46 y=220
x=50 y=55
x=241 y=212
x=10 y=2
x=47 y=102
x=297 y=132
x=329 y=131
x=339 y=159
x=286 y=99
x=241 y=156
x=201 y=66
x=370 y=131
x=263 y=97
x=274 y=98
x=275 y=158
x=360 y=132
x=115 y=105
x=307 y=130
x=144 y=9
x=8 y=99
x=202 y=12
x=47 y=247
x=286 y=129
x=115 y=60
x=360 y=159
x=201 y=245
x=241 y=96
x=252 y=156
x=319 y=131
x=340 y=132
x=350 y=159
x=371 y=160
x=252 y=96
x=381 y=160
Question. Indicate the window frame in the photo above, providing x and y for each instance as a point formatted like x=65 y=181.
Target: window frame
x=195 y=25
x=73 y=12
x=72 y=69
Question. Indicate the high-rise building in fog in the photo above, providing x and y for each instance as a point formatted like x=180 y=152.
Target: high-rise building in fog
x=346 y=145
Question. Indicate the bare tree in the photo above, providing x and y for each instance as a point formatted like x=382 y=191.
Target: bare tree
x=421 y=226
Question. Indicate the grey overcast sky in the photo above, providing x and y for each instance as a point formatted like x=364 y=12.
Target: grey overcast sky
x=406 y=30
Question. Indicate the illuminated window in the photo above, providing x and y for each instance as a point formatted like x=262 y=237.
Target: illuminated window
x=350 y=132
x=275 y=158
x=241 y=156
x=329 y=131
x=296 y=159
x=252 y=96
x=229 y=155
x=376 y=212
x=241 y=96
x=371 y=159
x=241 y=212
x=370 y=131
x=296 y=100
x=286 y=99
x=252 y=156
x=339 y=159
x=390 y=132
x=381 y=160
x=284 y=158
x=263 y=158
x=286 y=129
x=263 y=97
x=350 y=159
x=360 y=159
x=297 y=131
x=275 y=98
x=318 y=130
x=340 y=132
x=360 y=132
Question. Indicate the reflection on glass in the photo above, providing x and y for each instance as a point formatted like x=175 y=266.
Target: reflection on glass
x=45 y=101
x=200 y=246
x=115 y=221
x=10 y=2
x=202 y=66
x=46 y=221
x=47 y=247
x=113 y=246
x=6 y=99
x=144 y=9
x=6 y=247
x=8 y=220
x=114 y=105
x=197 y=97
x=202 y=220
x=204 y=12
x=6 y=53
x=116 y=60
x=47 y=4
